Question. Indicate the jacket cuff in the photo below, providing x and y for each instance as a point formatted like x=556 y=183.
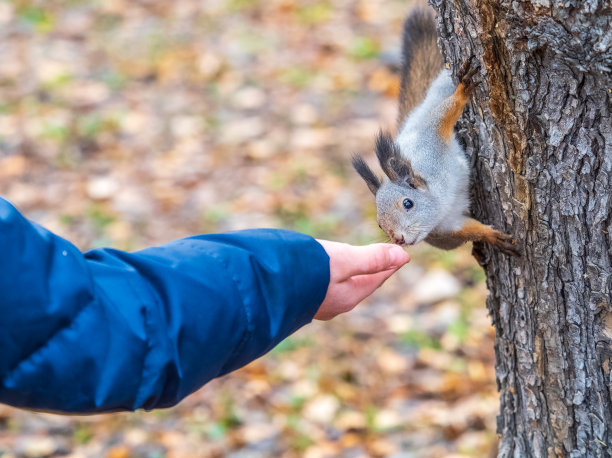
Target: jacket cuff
x=288 y=287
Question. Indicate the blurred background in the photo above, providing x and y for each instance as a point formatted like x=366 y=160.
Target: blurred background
x=130 y=123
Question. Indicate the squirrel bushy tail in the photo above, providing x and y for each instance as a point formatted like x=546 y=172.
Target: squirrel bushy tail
x=421 y=59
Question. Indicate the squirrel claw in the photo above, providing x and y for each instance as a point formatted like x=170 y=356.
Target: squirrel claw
x=468 y=70
x=506 y=244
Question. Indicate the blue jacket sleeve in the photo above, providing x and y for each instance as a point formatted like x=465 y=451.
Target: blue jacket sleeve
x=109 y=330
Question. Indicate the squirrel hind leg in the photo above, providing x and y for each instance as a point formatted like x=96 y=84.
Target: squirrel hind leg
x=453 y=106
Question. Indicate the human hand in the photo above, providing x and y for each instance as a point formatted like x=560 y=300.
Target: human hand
x=356 y=272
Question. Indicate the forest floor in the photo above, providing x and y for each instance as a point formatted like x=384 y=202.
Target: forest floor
x=131 y=123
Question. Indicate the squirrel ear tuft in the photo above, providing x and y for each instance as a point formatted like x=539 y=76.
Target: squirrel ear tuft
x=366 y=173
x=407 y=175
x=386 y=151
x=396 y=167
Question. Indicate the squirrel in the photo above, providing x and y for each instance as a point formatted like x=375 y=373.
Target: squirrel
x=425 y=195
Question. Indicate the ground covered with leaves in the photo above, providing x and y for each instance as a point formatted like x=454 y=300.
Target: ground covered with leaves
x=129 y=123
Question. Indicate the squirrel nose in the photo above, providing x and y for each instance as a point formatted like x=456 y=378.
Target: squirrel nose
x=398 y=240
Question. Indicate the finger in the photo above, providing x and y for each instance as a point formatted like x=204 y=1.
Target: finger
x=371 y=259
x=364 y=285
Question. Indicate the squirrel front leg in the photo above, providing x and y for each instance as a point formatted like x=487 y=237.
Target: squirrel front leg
x=475 y=231
x=453 y=106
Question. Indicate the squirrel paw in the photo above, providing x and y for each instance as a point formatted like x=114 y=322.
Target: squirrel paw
x=468 y=70
x=505 y=243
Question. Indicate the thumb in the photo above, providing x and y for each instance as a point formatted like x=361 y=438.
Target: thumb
x=371 y=259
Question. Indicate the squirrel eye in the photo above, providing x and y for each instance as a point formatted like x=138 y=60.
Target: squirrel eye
x=408 y=204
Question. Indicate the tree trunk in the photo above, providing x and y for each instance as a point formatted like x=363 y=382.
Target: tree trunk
x=539 y=131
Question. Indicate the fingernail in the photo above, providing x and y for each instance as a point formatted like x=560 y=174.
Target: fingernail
x=398 y=256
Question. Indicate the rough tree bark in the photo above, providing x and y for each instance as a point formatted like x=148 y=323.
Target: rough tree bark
x=539 y=130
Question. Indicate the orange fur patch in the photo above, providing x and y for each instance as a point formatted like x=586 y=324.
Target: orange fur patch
x=474 y=230
x=449 y=119
x=471 y=231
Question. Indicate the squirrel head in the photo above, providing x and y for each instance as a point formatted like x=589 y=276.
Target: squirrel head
x=406 y=209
